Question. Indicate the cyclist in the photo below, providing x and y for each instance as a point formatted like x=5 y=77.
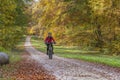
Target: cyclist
x=49 y=40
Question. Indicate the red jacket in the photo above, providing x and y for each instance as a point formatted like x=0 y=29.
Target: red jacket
x=49 y=39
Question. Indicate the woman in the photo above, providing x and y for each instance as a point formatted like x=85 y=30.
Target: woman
x=49 y=40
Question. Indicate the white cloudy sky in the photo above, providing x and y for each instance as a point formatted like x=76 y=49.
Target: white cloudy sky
x=36 y=0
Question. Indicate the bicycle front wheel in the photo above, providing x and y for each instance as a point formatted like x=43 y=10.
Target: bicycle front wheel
x=50 y=56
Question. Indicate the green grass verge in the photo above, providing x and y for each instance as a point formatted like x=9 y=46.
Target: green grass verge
x=75 y=53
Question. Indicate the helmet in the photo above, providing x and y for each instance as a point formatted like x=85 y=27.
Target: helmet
x=49 y=33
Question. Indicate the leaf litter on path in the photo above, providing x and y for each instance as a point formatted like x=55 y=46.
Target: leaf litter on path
x=27 y=69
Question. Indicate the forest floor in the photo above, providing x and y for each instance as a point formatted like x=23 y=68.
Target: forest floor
x=31 y=70
x=35 y=65
x=70 y=69
x=26 y=69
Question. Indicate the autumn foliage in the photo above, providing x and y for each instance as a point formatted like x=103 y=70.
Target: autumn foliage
x=93 y=23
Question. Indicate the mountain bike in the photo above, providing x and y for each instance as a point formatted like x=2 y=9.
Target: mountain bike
x=50 y=51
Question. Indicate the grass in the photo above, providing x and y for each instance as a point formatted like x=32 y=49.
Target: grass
x=76 y=53
x=15 y=54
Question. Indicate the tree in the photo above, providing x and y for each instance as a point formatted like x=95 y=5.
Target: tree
x=12 y=22
x=92 y=23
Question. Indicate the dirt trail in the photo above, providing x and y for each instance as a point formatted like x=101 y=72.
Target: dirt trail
x=70 y=69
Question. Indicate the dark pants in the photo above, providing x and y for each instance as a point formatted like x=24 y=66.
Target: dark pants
x=48 y=47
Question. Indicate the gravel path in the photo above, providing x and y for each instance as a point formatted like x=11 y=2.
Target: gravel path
x=70 y=69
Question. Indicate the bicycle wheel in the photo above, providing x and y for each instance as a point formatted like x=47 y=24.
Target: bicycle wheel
x=50 y=52
x=50 y=56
